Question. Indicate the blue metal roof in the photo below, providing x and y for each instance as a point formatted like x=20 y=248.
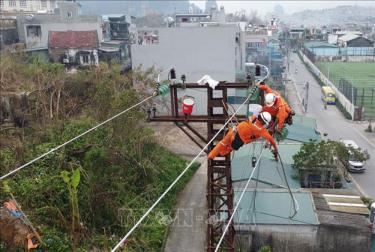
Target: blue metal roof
x=274 y=207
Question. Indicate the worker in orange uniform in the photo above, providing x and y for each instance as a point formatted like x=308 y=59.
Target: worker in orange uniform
x=279 y=109
x=245 y=132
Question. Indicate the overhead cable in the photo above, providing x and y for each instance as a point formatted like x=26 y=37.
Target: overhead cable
x=179 y=177
x=74 y=138
x=238 y=202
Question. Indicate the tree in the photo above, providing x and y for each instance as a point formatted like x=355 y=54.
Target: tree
x=325 y=158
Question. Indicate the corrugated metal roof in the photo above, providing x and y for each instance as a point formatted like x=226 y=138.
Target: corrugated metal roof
x=303 y=129
x=315 y=44
x=274 y=207
x=268 y=173
x=348 y=37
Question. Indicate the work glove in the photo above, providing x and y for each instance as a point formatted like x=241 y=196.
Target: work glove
x=278 y=130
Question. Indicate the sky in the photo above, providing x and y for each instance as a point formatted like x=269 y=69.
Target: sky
x=289 y=7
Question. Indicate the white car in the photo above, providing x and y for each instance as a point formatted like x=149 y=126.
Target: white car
x=354 y=165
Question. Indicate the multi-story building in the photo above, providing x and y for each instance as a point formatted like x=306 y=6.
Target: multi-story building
x=195 y=47
x=17 y=7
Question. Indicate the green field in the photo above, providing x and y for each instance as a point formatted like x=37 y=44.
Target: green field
x=361 y=75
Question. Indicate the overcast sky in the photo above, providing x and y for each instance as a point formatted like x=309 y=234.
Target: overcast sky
x=289 y=6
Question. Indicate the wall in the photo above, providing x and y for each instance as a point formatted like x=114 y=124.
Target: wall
x=349 y=107
x=343 y=239
x=325 y=51
x=31 y=7
x=291 y=238
x=193 y=51
x=54 y=25
x=66 y=17
x=306 y=238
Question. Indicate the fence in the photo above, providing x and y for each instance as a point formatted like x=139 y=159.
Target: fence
x=344 y=101
x=363 y=98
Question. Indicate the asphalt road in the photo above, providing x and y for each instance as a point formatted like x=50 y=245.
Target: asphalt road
x=332 y=121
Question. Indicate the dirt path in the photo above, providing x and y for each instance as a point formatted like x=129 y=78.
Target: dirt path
x=188 y=231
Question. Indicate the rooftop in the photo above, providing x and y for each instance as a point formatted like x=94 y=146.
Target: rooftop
x=318 y=44
x=73 y=39
x=348 y=37
x=274 y=207
x=303 y=129
x=269 y=173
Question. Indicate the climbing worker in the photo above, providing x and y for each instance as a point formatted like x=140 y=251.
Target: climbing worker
x=245 y=132
x=14 y=231
x=277 y=107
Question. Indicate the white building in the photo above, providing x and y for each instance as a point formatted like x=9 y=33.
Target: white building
x=193 y=51
x=16 y=7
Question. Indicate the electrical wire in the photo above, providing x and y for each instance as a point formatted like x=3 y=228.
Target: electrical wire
x=74 y=138
x=179 y=177
x=238 y=202
x=294 y=200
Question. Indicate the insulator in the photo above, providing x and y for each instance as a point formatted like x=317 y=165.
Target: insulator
x=173 y=74
x=253 y=161
x=257 y=70
x=163 y=89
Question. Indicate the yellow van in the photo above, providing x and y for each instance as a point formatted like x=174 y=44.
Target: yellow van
x=328 y=95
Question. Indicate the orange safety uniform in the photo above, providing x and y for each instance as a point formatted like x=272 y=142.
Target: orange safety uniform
x=280 y=109
x=248 y=131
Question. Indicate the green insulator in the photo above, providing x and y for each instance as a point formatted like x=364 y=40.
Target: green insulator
x=163 y=89
x=284 y=133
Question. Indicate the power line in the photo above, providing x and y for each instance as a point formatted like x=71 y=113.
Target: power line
x=75 y=138
x=239 y=201
x=179 y=177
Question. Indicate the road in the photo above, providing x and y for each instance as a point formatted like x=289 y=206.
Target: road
x=332 y=121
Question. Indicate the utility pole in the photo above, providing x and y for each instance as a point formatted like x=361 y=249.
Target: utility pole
x=220 y=192
x=306 y=95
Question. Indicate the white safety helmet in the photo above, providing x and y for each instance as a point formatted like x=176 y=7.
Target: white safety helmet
x=265 y=118
x=269 y=99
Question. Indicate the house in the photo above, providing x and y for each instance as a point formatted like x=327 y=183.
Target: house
x=74 y=47
x=333 y=38
x=8 y=31
x=21 y=7
x=321 y=48
x=353 y=40
x=325 y=220
x=116 y=51
x=195 y=50
x=33 y=30
x=116 y=27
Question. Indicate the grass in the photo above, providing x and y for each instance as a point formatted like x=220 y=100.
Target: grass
x=361 y=75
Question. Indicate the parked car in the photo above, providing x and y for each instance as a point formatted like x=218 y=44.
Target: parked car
x=354 y=165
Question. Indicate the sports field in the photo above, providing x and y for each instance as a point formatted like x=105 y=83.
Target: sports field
x=360 y=74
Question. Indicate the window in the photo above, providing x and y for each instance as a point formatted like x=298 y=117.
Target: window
x=44 y=4
x=12 y=3
x=23 y=3
x=1 y=3
x=85 y=59
x=34 y=31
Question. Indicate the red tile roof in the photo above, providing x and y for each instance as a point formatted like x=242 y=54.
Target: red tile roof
x=73 y=39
